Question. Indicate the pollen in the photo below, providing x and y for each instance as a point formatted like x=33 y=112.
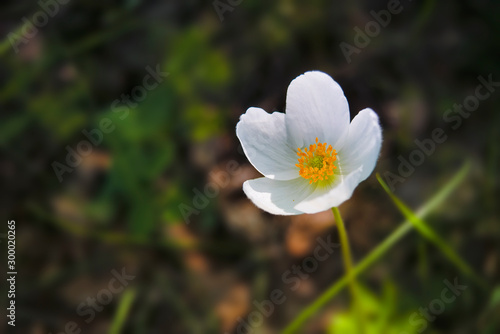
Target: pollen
x=316 y=163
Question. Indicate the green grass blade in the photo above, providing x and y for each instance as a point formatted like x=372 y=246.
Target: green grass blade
x=426 y=231
x=376 y=253
x=5 y=44
x=123 y=309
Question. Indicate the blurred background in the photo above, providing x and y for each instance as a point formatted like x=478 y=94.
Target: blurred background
x=120 y=165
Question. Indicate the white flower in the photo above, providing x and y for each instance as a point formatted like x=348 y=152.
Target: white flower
x=312 y=158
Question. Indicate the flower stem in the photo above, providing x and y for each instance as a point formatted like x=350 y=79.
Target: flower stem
x=377 y=253
x=347 y=259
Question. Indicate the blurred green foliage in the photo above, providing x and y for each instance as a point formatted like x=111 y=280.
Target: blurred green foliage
x=120 y=205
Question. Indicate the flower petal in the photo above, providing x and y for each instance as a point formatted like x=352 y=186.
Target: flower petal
x=362 y=145
x=328 y=197
x=264 y=140
x=315 y=107
x=278 y=197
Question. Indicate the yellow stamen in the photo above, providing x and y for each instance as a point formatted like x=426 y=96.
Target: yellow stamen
x=316 y=162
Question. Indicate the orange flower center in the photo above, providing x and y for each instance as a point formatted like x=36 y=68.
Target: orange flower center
x=316 y=162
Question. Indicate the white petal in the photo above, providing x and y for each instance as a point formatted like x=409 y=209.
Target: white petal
x=328 y=197
x=315 y=107
x=264 y=140
x=362 y=145
x=278 y=197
